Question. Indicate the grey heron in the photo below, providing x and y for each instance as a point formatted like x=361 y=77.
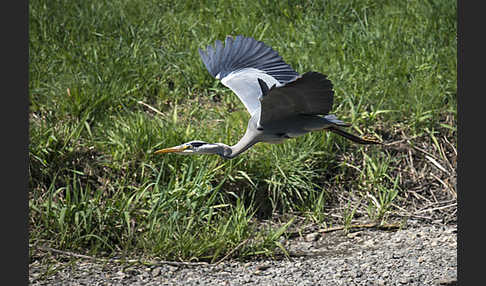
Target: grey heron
x=282 y=103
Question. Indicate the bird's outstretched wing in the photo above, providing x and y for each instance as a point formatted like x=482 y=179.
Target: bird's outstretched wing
x=239 y=64
x=309 y=94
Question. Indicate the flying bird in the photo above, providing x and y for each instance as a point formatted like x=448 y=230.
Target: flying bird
x=282 y=103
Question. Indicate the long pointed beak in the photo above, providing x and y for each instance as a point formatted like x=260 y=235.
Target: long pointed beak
x=171 y=149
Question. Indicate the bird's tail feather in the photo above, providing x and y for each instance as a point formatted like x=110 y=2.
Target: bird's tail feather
x=332 y=118
x=352 y=137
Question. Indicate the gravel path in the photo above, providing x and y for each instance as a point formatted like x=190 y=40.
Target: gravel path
x=417 y=255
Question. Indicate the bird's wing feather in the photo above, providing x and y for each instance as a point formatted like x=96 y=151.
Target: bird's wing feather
x=244 y=83
x=310 y=94
x=240 y=62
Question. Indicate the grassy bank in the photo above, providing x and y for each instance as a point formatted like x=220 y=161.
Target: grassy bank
x=95 y=68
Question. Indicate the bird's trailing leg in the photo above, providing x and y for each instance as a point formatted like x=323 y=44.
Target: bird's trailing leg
x=352 y=137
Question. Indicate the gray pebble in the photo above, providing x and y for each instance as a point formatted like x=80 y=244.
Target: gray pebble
x=419 y=255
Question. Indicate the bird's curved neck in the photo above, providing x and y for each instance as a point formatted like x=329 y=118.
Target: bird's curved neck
x=248 y=140
x=237 y=149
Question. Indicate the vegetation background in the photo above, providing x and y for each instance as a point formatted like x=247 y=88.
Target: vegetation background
x=112 y=81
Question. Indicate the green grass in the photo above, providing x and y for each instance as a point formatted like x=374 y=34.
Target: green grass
x=95 y=186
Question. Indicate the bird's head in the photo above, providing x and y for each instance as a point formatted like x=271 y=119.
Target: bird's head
x=196 y=147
